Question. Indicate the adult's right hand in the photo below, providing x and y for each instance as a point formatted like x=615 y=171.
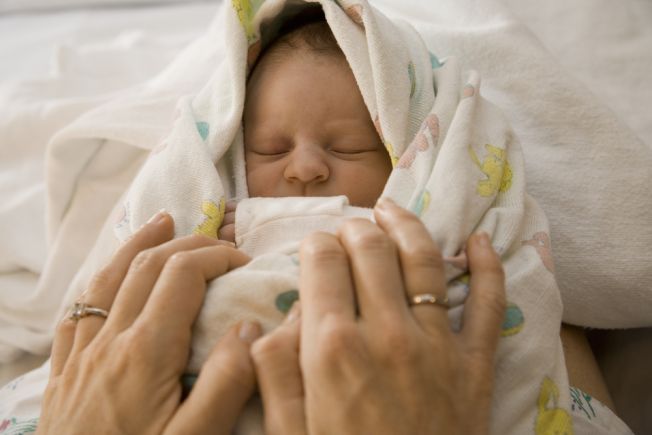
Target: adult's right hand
x=362 y=360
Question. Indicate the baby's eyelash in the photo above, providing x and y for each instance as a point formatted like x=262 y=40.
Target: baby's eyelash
x=359 y=151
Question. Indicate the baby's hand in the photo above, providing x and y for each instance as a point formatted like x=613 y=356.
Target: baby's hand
x=227 y=230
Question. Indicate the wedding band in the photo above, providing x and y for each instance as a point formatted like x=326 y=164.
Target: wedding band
x=428 y=298
x=81 y=310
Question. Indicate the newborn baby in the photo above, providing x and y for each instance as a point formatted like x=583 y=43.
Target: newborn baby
x=307 y=131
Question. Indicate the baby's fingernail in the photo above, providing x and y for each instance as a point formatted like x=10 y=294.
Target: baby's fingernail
x=294 y=313
x=249 y=331
x=158 y=217
x=227 y=243
x=483 y=239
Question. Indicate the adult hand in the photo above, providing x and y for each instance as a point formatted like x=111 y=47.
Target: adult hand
x=369 y=362
x=122 y=374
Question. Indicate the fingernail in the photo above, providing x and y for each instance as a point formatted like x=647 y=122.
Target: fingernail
x=158 y=217
x=249 y=331
x=483 y=239
x=227 y=243
x=294 y=313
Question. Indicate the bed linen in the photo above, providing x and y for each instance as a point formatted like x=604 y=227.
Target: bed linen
x=59 y=101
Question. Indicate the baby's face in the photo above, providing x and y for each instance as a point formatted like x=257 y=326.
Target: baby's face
x=307 y=131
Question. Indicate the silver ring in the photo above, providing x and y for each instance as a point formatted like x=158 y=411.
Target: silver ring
x=428 y=298
x=81 y=310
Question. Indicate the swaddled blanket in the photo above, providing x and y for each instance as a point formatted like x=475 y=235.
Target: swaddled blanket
x=456 y=165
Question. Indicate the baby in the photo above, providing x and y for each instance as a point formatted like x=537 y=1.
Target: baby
x=307 y=130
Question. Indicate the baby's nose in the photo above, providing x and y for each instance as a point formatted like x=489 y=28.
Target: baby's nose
x=307 y=164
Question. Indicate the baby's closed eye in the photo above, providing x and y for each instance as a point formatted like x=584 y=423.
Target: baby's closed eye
x=353 y=147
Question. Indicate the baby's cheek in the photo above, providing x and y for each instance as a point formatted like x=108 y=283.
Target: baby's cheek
x=262 y=178
x=364 y=185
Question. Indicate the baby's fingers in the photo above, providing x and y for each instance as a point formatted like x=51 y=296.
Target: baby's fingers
x=227 y=229
x=485 y=307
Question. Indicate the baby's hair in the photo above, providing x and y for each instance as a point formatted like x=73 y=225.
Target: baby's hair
x=306 y=30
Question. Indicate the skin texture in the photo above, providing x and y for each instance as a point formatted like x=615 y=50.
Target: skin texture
x=307 y=131
x=154 y=287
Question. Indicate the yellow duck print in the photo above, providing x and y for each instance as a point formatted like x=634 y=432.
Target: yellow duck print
x=214 y=216
x=554 y=420
x=496 y=167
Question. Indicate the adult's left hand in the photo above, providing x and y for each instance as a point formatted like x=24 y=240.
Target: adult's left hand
x=122 y=374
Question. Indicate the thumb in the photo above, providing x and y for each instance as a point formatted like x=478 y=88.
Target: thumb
x=225 y=384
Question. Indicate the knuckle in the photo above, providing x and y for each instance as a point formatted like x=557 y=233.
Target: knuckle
x=269 y=347
x=370 y=240
x=233 y=363
x=137 y=341
x=180 y=261
x=320 y=247
x=398 y=346
x=141 y=347
x=422 y=253
x=337 y=339
x=145 y=260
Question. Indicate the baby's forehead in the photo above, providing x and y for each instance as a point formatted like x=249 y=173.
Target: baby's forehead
x=306 y=33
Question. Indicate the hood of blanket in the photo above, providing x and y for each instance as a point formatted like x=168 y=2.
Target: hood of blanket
x=389 y=60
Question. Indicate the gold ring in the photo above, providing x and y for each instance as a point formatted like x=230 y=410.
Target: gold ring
x=81 y=310
x=428 y=298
